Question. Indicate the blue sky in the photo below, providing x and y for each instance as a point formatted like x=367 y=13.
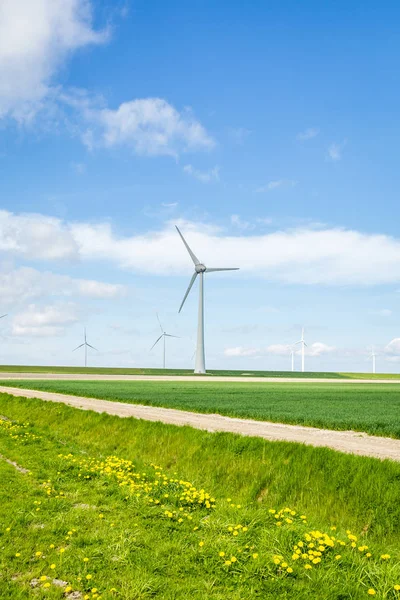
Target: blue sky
x=268 y=132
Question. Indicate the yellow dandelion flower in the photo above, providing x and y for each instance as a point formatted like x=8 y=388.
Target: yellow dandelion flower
x=17 y=554
x=289 y=570
x=222 y=554
x=233 y=559
x=43 y=578
x=201 y=544
x=371 y=592
x=46 y=585
x=89 y=576
x=85 y=559
x=338 y=556
x=396 y=587
x=255 y=555
x=227 y=563
x=53 y=566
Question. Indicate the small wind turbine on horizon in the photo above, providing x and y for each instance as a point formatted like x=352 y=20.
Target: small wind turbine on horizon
x=292 y=353
x=86 y=344
x=303 y=346
x=373 y=356
x=199 y=269
x=162 y=336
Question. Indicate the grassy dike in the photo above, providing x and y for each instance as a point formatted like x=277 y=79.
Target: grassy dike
x=132 y=535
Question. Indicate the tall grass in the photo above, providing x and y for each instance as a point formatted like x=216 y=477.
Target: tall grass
x=133 y=548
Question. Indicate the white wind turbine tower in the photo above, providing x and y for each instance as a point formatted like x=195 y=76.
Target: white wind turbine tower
x=86 y=344
x=292 y=352
x=162 y=336
x=373 y=356
x=303 y=346
x=199 y=269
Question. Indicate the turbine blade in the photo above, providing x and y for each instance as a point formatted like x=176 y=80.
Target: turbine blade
x=2 y=316
x=188 y=290
x=299 y=342
x=77 y=348
x=93 y=348
x=156 y=342
x=192 y=255
x=222 y=269
x=159 y=322
x=169 y=335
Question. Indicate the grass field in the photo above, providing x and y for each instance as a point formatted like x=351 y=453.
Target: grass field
x=226 y=373
x=83 y=525
x=361 y=407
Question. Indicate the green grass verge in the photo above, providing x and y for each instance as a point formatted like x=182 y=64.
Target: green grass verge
x=220 y=373
x=114 y=514
x=361 y=407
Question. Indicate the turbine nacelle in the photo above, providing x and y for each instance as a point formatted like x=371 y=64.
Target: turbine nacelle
x=200 y=268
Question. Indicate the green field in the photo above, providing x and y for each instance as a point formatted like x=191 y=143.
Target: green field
x=374 y=408
x=83 y=525
x=225 y=373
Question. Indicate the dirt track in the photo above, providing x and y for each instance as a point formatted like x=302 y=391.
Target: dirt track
x=189 y=378
x=344 y=441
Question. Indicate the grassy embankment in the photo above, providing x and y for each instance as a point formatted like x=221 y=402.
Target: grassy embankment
x=220 y=373
x=361 y=407
x=103 y=528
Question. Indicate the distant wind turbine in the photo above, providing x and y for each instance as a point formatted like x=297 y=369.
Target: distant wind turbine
x=86 y=344
x=162 y=336
x=291 y=350
x=373 y=356
x=199 y=269
x=303 y=345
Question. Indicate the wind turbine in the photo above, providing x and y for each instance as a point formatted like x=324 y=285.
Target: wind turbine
x=199 y=269
x=85 y=343
x=373 y=356
x=291 y=350
x=303 y=345
x=163 y=336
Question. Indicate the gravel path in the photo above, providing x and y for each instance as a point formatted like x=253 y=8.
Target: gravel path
x=344 y=441
x=198 y=378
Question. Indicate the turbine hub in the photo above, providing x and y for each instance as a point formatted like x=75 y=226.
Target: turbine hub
x=200 y=268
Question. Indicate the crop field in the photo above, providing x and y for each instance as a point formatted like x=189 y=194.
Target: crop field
x=189 y=372
x=97 y=507
x=372 y=408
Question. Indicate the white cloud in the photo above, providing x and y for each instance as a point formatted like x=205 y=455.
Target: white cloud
x=24 y=283
x=150 y=126
x=302 y=255
x=238 y=134
x=238 y=222
x=318 y=348
x=278 y=183
x=393 y=348
x=240 y=351
x=335 y=151
x=383 y=312
x=308 y=134
x=203 y=176
x=36 y=37
x=79 y=168
x=44 y=321
x=315 y=349
x=278 y=349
